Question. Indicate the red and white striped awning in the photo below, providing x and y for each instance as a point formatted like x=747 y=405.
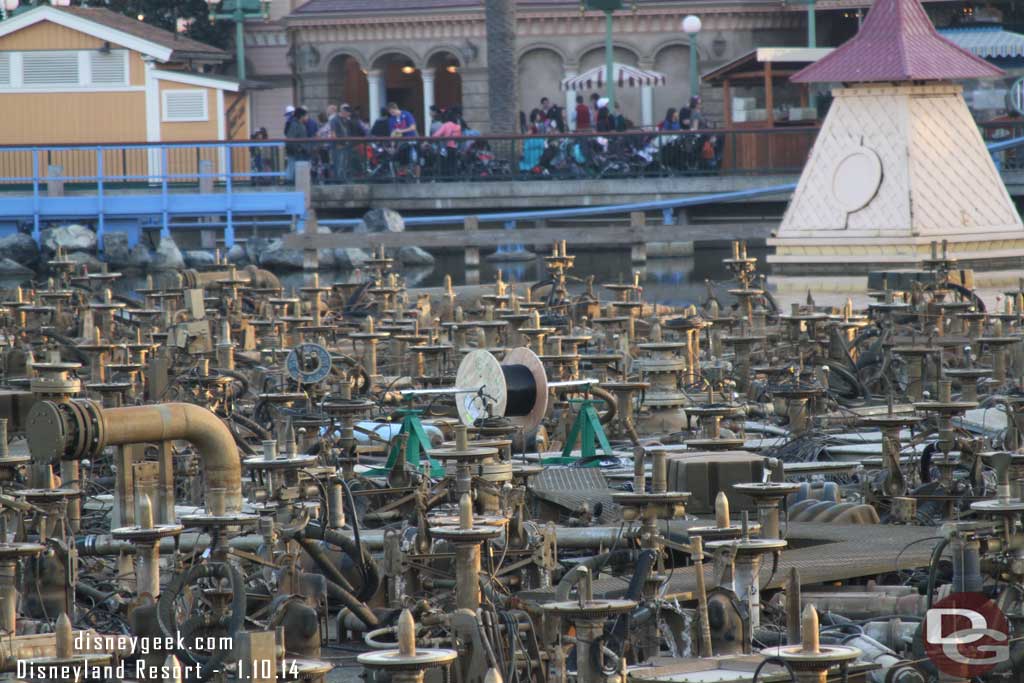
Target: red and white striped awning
x=625 y=77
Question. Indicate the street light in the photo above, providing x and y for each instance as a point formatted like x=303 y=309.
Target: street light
x=608 y=7
x=691 y=27
x=238 y=11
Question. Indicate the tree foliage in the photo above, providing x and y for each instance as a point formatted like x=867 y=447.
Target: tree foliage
x=166 y=14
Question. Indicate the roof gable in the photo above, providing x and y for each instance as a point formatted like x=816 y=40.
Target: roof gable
x=106 y=25
x=897 y=42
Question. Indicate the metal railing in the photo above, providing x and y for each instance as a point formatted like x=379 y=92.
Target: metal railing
x=1007 y=157
x=632 y=154
x=181 y=164
x=567 y=156
x=571 y=156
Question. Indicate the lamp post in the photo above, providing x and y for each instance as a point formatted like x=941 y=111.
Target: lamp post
x=238 y=11
x=608 y=7
x=691 y=27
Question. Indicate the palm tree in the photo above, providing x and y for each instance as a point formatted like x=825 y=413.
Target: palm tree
x=502 y=74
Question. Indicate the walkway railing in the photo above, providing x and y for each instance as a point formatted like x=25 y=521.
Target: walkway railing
x=391 y=160
x=572 y=156
x=631 y=154
x=139 y=164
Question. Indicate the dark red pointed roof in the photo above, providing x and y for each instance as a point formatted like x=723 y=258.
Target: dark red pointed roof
x=897 y=42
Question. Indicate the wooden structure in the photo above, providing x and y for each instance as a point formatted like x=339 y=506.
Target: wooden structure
x=83 y=75
x=880 y=188
x=757 y=95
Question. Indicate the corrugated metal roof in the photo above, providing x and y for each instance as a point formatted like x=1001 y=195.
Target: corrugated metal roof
x=897 y=42
x=987 y=42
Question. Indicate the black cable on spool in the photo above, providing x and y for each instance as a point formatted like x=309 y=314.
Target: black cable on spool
x=522 y=390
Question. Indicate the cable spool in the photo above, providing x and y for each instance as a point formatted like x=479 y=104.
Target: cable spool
x=517 y=388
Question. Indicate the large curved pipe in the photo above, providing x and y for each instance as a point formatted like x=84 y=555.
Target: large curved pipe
x=257 y=277
x=186 y=422
x=82 y=429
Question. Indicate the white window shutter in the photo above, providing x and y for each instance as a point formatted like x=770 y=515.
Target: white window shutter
x=185 y=105
x=5 y=68
x=109 y=68
x=50 y=68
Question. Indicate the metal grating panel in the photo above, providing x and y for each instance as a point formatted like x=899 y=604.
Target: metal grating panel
x=571 y=487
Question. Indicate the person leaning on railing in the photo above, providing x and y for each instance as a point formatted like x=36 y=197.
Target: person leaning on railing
x=449 y=131
x=295 y=150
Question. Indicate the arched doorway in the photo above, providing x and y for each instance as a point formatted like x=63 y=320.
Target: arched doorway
x=402 y=83
x=628 y=99
x=346 y=83
x=674 y=62
x=447 y=79
x=540 y=75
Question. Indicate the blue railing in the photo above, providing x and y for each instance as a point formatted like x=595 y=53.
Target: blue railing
x=178 y=180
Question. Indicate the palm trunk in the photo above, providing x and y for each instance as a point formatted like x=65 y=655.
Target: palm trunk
x=502 y=74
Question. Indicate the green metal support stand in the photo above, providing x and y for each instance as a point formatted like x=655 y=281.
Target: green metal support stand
x=416 y=445
x=587 y=429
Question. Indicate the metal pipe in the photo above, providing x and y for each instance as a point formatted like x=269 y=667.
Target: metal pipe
x=56 y=435
x=180 y=421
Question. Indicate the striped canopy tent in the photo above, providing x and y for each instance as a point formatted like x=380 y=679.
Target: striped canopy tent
x=625 y=77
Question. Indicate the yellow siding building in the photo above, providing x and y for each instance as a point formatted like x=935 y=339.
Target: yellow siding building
x=89 y=75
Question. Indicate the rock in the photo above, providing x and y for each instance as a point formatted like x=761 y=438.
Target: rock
x=93 y=264
x=276 y=257
x=71 y=237
x=139 y=258
x=116 y=251
x=167 y=256
x=11 y=268
x=238 y=256
x=381 y=220
x=198 y=258
x=21 y=249
x=350 y=258
x=414 y=256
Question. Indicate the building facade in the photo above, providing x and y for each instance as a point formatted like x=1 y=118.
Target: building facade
x=419 y=52
x=71 y=76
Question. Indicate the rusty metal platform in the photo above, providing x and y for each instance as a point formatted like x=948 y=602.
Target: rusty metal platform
x=821 y=552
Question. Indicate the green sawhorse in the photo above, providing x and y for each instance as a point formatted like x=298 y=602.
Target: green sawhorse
x=587 y=429
x=416 y=446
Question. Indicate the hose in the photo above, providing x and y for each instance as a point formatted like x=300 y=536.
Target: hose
x=67 y=342
x=609 y=400
x=644 y=564
x=337 y=585
x=774 y=660
x=933 y=569
x=357 y=608
x=167 y=620
x=594 y=564
x=259 y=430
x=355 y=551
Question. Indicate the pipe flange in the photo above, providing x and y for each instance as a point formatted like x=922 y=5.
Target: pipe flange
x=51 y=431
x=393 y=660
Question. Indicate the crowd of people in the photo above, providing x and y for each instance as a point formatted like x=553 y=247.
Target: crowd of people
x=458 y=150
